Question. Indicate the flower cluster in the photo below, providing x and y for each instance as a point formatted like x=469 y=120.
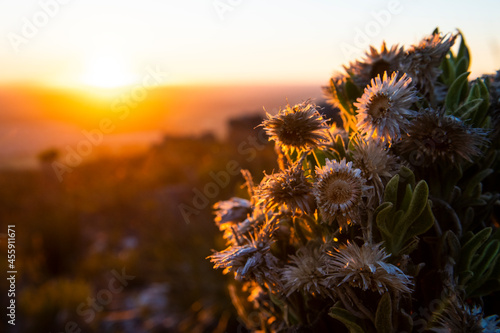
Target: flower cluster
x=373 y=218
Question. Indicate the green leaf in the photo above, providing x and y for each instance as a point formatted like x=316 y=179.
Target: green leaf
x=347 y=318
x=405 y=203
x=391 y=190
x=475 y=180
x=456 y=91
x=383 y=219
x=407 y=176
x=466 y=110
x=422 y=224
x=462 y=66
x=448 y=74
x=383 y=316
x=463 y=50
x=486 y=259
x=418 y=201
x=470 y=248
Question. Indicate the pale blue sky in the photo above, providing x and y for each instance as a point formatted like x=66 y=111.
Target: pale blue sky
x=246 y=41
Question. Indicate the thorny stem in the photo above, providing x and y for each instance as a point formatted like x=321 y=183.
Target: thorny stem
x=360 y=305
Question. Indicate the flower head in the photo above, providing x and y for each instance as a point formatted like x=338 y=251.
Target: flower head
x=434 y=137
x=458 y=318
x=339 y=191
x=366 y=268
x=422 y=61
x=376 y=163
x=234 y=210
x=297 y=127
x=384 y=108
x=252 y=260
x=290 y=188
x=376 y=63
x=307 y=271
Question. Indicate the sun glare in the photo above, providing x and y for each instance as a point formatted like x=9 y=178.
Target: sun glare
x=107 y=71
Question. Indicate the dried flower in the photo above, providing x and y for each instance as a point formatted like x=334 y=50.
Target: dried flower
x=422 y=61
x=384 y=108
x=366 y=268
x=299 y=127
x=339 y=191
x=290 y=188
x=375 y=63
x=433 y=136
x=252 y=260
x=231 y=211
x=376 y=163
x=307 y=271
x=458 y=317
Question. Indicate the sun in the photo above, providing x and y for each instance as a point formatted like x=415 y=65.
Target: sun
x=107 y=71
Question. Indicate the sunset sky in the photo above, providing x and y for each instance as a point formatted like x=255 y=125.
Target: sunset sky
x=67 y=64
x=71 y=43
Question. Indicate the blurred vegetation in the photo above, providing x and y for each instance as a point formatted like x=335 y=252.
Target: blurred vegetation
x=122 y=214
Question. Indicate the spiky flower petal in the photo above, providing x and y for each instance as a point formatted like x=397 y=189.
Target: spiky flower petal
x=435 y=137
x=366 y=268
x=339 y=190
x=375 y=63
x=490 y=324
x=422 y=61
x=290 y=188
x=307 y=271
x=384 y=109
x=297 y=127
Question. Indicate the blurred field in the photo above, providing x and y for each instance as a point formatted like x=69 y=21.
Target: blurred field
x=122 y=214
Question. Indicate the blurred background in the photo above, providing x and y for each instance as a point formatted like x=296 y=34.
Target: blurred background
x=121 y=123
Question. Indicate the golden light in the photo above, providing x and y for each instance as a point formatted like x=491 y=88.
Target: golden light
x=107 y=71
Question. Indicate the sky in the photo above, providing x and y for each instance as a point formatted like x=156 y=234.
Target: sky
x=109 y=43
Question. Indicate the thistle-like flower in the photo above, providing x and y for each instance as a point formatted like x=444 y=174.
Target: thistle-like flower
x=289 y=188
x=252 y=260
x=376 y=163
x=299 y=127
x=234 y=210
x=375 y=63
x=384 y=108
x=307 y=271
x=422 y=61
x=459 y=318
x=434 y=137
x=366 y=268
x=339 y=190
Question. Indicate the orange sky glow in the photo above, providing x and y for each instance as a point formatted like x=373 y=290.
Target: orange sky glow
x=185 y=67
